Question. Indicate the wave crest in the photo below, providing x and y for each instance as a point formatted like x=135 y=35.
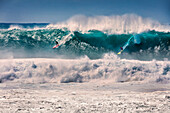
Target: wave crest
x=115 y=24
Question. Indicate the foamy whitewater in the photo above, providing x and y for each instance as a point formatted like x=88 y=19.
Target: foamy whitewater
x=88 y=50
x=83 y=70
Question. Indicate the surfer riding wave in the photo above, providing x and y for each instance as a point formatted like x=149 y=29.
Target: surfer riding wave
x=56 y=45
x=136 y=40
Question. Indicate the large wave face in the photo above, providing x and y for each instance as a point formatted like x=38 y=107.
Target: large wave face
x=88 y=36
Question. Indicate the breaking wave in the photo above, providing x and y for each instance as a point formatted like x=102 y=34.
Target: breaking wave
x=141 y=38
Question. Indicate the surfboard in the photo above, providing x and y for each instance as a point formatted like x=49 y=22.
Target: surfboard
x=120 y=52
x=56 y=46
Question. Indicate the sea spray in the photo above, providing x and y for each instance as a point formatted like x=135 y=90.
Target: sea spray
x=114 y=24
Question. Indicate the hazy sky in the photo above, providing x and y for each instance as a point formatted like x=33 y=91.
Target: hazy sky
x=59 y=10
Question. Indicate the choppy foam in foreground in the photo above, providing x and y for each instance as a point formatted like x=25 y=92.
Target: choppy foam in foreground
x=83 y=70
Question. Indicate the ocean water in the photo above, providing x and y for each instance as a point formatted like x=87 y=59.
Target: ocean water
x=95 y=39
x=87 y=36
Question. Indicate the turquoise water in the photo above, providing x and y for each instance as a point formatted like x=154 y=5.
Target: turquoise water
x=27 y=42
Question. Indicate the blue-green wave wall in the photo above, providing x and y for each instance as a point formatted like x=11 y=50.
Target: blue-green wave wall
x=24 y=43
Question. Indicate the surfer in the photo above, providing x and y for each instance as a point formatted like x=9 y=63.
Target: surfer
x=127 y=44
x=56 y=42
x=56 y=45
x=121 y=48
x=136 y=41
x=120 y=51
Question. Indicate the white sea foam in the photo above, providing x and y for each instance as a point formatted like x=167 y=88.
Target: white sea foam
x=115 y=24
x=14 y=27
x=83 y=70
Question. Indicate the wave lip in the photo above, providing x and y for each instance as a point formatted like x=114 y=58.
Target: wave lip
x=115 y=24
